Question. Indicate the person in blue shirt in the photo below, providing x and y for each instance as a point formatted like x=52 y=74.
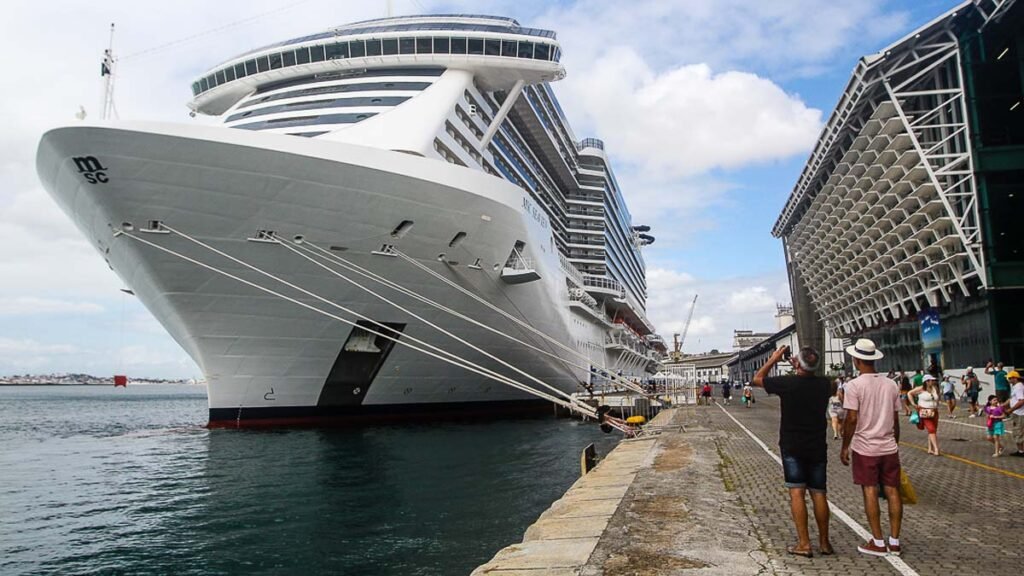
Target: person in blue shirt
x=1002 y=384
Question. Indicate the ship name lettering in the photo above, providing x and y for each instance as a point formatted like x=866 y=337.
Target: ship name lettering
x=91 y=169
x=532 y=209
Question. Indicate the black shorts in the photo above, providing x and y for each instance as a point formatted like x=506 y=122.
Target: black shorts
x=804 y=472
x=949 y=396
x=1002 y=395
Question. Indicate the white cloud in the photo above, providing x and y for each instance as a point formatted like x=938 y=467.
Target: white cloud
x=722 y=306
x=25 y=354
x=752 y=299
x=689 y=120
x=780 y=37
x=30 y=305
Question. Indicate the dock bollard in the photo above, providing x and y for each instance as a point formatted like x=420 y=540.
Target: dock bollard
x=588 y=459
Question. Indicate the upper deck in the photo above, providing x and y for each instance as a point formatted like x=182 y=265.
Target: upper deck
x=497 y=50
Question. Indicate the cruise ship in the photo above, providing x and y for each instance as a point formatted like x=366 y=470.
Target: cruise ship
x=375 y=195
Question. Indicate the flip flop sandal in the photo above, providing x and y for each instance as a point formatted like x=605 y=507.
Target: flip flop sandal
x=805 y=553
x=827 y=551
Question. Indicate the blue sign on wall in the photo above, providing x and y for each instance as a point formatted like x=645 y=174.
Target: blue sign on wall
x=931 y=331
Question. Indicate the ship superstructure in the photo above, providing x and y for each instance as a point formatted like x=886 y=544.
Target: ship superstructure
x=434 y=137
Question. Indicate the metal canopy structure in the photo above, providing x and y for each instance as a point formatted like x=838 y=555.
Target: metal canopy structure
x=884 y=218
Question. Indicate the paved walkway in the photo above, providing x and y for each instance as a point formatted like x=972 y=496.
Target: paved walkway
x=710 y=501
x=969 y=519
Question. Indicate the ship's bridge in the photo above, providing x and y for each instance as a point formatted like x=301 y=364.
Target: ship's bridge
x=497 y=51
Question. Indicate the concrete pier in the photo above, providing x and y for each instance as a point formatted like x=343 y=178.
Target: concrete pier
x=710 y=501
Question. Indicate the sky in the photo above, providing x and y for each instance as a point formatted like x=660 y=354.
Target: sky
x=708 y=110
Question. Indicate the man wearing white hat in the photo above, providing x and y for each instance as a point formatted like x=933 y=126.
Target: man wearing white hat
x=872 y=433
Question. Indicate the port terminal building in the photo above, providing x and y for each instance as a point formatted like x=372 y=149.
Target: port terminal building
x=905 y=223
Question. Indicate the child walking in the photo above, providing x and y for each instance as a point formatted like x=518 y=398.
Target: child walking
x=996 y=414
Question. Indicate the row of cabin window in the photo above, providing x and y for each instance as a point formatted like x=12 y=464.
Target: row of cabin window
x=375 y=47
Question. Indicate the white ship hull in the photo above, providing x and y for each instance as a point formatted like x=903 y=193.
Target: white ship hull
x=265 y=357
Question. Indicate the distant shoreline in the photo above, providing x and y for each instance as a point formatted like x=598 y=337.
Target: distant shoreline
x=181 y=383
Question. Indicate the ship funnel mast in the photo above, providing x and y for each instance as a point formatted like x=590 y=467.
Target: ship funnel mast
x=107 y=72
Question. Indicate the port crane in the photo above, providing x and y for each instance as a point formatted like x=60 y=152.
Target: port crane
x=678 y=339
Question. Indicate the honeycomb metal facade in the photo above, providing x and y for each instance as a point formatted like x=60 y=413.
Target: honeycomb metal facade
x=884 y=221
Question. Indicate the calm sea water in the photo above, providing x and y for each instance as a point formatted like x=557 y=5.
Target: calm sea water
x=114 y=481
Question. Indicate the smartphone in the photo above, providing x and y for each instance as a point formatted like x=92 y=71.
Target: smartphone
x=786 y=355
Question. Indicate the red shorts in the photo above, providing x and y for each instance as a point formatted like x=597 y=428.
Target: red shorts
x=875 y=470
x=931 y=425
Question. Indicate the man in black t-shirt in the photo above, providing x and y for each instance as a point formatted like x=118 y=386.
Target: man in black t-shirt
x=804 y=450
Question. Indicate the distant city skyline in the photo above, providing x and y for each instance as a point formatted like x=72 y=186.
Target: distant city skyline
x=708 y=111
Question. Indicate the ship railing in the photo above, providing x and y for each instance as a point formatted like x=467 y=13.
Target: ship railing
x=586 y=240
x=590 y=143
x=571 y=271
x=519 y=262
x=603 y=283
x=580 y=211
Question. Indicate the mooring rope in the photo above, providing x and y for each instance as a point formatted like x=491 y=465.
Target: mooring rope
x=426 y=349
x=353 y=267
x=296 y=249
x=612 y=376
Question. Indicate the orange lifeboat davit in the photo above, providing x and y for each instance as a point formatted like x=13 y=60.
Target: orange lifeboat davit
x=120 y=380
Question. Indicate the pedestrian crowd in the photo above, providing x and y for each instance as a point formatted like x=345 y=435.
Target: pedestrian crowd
x=865 y=413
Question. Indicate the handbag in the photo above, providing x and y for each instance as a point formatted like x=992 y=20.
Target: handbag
x=907 y=492
x=927 y=413
x=914 y=418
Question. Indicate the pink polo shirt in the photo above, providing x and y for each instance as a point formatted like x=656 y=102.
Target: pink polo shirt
x=876 y=399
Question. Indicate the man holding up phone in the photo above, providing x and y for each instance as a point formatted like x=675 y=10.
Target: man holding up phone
x=804 y=450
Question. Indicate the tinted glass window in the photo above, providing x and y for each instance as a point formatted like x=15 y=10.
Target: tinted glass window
x=558 y=54
x=526 y=49
x=543 y=52
x=196 y=88
x=476 y=46
x=229 y=74
x=390 y=46
x=407 y=45
x=302 y=56
x=492 y=47
x=288 y=57
x=508 y=49
x=424 y=46
x=240 y=70
x=316 y=53
x=373 y=47
x=262 y=64
x=221 y=77
x=212 y=80
x=250 y=67
x=205 y=84
x=458 y=45
x=275 y=61
x=441 y=45
x=335 y=51
x=357 y=49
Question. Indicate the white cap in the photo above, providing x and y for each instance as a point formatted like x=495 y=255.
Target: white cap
x=928 y=377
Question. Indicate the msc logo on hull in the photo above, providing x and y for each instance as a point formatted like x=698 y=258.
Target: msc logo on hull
x=91 y=169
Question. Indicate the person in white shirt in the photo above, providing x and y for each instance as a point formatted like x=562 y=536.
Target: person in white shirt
x=949 y=395
x=1016 y=409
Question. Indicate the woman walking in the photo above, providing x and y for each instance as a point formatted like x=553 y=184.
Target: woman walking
x=835 y=411
x=925 y=401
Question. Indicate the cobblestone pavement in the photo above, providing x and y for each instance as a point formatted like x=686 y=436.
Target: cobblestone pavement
x=969 y=519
